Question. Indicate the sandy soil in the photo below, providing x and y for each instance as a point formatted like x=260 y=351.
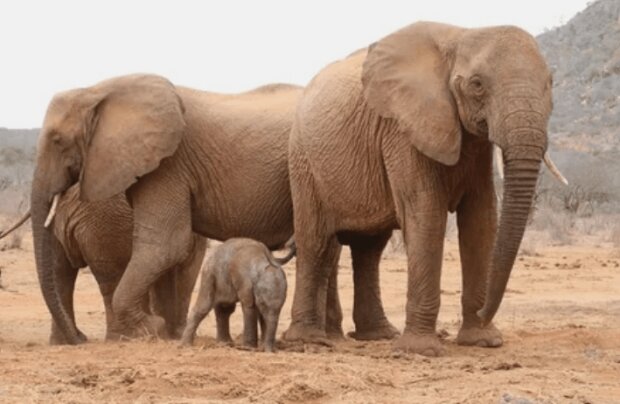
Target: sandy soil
x=560 y=318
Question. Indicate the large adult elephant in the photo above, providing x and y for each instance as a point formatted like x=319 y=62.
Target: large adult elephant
x=396 y=136
x=99 y=235
x=188 y=161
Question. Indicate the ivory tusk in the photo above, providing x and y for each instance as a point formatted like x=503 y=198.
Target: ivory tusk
x=52 y=213
x=499 y=161
x=554 y=169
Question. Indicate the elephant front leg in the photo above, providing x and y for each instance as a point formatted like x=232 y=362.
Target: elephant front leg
x=107 y=277
x=477 y=224
x=368 y=314
x=204 y=303
x=424 y=237
x=161 y=240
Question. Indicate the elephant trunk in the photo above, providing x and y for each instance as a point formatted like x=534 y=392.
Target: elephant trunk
x=522 y=165
x=40 y=205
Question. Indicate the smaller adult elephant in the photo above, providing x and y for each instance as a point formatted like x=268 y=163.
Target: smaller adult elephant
x=99 y=235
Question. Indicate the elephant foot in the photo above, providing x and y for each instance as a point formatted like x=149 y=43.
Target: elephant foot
x=335 y=333
x=383 y=331
x=305 y=333
x=176 y=332
x=225 y=340
x=148 y=326
x=487 y=337
x=423 y=344
x=56 y=338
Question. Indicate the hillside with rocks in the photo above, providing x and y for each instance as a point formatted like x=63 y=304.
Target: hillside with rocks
x=584 y=55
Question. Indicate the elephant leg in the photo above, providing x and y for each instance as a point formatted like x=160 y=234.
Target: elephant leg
x=333 y=321
x=107 y=278
x=162 y=236
x=187 y=274
x=261 y=323
x=250 y=319
x=65 y=275
x=317 y=259
x=164 y=299
x=222 y=319
x=424 y=232
x=368 y=314
x=477 y=225
x=204 y=304
x=270 y=326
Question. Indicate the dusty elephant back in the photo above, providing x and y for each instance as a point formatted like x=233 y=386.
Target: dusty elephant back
x=244 y=139
x=334 y=99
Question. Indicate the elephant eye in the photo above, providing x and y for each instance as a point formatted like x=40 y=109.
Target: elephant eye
x=475 y=83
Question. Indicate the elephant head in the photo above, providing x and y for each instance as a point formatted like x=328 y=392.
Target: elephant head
x=439 y=82
x=105 y=137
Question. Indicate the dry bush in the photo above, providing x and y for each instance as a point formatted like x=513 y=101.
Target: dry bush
x=615 y=236
x=556 y=223
x=13 y=241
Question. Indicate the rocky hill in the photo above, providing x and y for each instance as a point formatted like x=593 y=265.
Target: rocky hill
x=585 y=57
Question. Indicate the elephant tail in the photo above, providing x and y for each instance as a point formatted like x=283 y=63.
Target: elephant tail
x=292 y=251
x=16 y=226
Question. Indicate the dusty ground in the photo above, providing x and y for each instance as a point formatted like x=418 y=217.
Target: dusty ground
x=560 y=318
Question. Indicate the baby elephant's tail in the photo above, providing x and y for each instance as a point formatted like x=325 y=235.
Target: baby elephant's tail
x=290 y=244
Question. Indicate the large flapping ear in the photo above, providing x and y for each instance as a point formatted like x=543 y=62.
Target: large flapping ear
x=406 y=77
x=133 y=123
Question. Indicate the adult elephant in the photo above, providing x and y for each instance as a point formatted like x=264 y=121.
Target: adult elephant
x=188 y=161
x=99 y=235
x=396 y=136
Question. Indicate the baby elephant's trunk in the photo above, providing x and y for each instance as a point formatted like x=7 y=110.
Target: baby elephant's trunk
x=290 y=244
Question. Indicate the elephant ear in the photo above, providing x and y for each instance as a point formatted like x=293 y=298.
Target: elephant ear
x=406 y=77
x=134 y=123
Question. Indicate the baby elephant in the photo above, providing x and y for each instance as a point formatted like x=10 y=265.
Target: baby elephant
x=242 y=270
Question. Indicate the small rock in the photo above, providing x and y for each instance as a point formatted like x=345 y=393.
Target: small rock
x=508 y=398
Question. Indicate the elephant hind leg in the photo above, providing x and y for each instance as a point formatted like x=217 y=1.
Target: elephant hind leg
x=333 y=310
x=368 y=314
x=317 y=260
x=222 y=319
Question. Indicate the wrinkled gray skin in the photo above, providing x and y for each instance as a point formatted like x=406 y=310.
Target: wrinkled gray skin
x=188 y=161
x=99 y=235
x=396 y=136
x=241 y=270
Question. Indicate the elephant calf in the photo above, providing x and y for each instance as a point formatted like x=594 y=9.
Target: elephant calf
x=242 y=270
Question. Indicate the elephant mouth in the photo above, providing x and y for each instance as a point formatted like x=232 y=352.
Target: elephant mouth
x=482 y=127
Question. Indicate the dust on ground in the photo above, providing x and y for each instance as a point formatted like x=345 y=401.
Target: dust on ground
x=560 y=319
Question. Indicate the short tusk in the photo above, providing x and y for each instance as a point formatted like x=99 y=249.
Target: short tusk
x=554 y=169
x=52 y=213
x=499 y=161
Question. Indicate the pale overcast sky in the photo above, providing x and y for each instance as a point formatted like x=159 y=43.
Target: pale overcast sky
x=225 y=46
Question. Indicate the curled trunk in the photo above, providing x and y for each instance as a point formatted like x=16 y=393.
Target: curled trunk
x=521 y=175
x=40 y=206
